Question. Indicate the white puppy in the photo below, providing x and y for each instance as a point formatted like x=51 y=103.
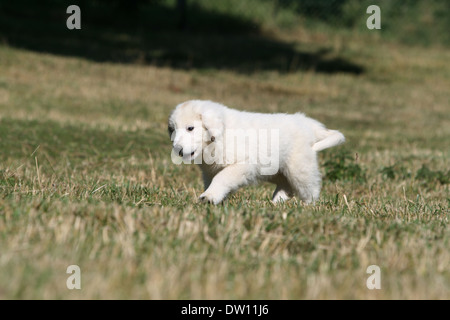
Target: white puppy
x=235 y=148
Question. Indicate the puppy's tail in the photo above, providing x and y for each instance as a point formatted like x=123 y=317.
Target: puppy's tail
x=326 y=138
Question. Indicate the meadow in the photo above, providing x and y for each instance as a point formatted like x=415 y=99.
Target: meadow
x=86 y=176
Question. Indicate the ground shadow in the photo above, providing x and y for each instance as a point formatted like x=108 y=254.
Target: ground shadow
x=151 y=35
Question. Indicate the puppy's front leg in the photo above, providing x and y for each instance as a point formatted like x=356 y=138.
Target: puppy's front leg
x=224 y=182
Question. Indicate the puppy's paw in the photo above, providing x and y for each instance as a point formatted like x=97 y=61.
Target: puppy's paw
x=210 y=198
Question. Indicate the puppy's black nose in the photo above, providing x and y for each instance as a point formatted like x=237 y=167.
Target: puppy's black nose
x=181 y=152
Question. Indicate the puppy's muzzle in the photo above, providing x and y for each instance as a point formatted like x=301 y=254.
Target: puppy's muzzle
x=178 y=150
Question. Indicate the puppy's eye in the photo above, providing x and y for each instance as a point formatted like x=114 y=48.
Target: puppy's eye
x=190 y=128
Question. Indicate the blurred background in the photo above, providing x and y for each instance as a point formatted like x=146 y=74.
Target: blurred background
x=229 y=34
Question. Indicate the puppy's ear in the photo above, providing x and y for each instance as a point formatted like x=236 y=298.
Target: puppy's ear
x=213 y=123
x=170 y=127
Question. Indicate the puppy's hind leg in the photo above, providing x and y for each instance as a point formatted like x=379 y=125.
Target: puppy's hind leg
x=283 y=191
x=303 y=174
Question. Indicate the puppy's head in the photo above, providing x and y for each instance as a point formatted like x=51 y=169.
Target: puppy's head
x=193 y=125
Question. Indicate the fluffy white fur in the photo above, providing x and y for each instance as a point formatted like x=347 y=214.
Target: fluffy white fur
x=196 y=125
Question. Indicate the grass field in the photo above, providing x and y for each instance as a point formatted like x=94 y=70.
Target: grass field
x=86 y=177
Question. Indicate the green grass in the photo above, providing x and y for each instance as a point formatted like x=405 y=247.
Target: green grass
x=86 y=178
